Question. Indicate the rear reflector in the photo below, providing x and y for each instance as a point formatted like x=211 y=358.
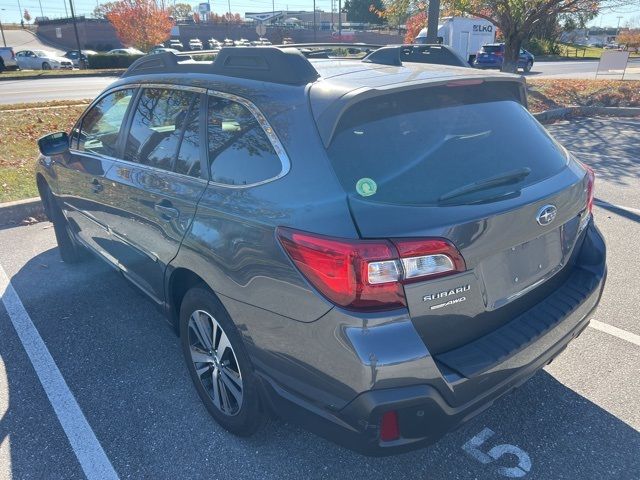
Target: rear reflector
x=368 y=274
x=389 y=429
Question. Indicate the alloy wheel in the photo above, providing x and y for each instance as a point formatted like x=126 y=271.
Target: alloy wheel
x=215 y=362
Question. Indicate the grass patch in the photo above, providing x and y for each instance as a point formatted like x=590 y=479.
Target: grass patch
x=545 y=94
x=9 y=75
x=570 y=50
x=19 y=132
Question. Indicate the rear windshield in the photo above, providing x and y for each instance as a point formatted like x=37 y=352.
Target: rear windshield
x=433 y=146
x=491 y=48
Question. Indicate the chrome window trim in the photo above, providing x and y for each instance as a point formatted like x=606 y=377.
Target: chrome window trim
x=134 y=86
x=255 y=111
x=269 y=132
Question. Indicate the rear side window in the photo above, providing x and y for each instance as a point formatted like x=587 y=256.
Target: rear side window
x=157 y=127
x=240 y=153
x=426 y=147
x=491 y=49
x=101 y=124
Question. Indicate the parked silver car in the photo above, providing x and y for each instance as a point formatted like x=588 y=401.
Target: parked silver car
x=42 y=60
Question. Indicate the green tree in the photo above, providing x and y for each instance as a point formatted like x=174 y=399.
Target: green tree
x=363 y=11
x=517 y=20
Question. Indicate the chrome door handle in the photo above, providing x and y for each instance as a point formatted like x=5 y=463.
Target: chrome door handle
x=167 y=212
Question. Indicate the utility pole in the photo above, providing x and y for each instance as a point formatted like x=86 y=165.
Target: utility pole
x=66 y=13
x=2 y=30
x=331 y=16
x=432 y=21
x=273 y=10
x=340 y=20
x=314 y=22
x=41 y=12
x=75 y=27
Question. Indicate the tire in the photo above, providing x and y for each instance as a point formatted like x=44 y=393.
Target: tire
x=528 y=66
x=2 y=67
x=70 y=250
x=46 y=66
x=200 y=313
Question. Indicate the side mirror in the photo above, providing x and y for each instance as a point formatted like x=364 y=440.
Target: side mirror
x=54 y=144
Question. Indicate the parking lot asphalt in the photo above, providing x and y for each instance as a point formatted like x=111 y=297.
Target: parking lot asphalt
x=121 y=363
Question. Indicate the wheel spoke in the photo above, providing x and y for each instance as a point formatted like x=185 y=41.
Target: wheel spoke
x=216 y=388
x=222 y=345
x=200 y=356
x=224 y=396
x=202 y=370
x=201 y=329
x=231 y=387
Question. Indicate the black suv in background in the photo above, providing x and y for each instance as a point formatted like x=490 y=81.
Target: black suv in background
x=377 y=249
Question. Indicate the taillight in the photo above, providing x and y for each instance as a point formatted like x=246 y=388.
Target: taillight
x=13 y=55
x=368 y=274
x=591 y=178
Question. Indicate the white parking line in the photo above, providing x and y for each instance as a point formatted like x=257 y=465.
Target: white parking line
x=87 y=448
x=616 y=332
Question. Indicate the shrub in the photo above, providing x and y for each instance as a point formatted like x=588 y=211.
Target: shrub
x=102 y=61
x=543 y=46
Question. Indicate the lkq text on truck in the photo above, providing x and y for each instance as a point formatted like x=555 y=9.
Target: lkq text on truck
x=464 y=34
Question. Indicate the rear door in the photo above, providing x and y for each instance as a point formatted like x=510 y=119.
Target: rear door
x=81 y=174
x=468 y=163
x=153 y=191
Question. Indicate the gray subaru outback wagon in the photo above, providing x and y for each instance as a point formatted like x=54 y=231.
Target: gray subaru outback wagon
x=376 y=249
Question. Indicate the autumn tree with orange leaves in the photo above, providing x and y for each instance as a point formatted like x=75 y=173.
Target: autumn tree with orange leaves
x=139 y=23
x=516 y=19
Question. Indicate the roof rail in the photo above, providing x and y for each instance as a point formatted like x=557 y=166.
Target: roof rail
x=389 y=55
x=267 y=64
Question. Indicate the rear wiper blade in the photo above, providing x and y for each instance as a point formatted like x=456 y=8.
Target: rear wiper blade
x=502 y=179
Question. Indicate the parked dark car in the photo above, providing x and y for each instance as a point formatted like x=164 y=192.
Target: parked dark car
x=80 y=59
x=492 y=56
x=8 y=59
x=375 y=251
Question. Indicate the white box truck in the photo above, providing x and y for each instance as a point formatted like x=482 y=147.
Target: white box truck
x=464 y=34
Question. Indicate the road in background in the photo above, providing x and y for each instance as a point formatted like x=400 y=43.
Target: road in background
x=76 y=88
x=578 y=418
x=44 y=89
x=585 y=69
x=25 y=40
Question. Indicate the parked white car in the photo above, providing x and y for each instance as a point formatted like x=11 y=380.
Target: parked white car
x=125 y=51
x=42 y=60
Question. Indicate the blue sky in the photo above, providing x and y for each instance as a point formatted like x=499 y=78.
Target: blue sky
x=56 y=8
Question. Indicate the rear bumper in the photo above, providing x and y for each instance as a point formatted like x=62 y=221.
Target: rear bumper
x=433 y=406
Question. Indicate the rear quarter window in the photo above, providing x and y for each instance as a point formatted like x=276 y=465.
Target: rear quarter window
x=416 y=147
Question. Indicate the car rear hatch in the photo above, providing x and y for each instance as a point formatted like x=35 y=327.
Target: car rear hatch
x=467 y=163
x=490 y=54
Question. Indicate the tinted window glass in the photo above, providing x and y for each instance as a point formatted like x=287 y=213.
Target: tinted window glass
x=240 y=152
x=101 y=124
x=156 y=128
x=188 y=162
x=491 y=48
x=420 y=146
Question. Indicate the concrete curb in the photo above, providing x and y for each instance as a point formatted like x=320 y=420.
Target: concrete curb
x=106 y=73
x=15 y=213
x=570 y=112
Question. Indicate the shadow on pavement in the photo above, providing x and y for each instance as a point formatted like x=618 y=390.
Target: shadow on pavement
x=599 y=142
x=125 y=368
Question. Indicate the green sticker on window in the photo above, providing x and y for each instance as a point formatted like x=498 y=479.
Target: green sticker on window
x=366 y=187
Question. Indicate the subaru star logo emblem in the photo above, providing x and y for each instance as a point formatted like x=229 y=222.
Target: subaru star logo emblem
x=546 y=214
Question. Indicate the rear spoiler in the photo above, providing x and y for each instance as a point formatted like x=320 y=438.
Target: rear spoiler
x=328 y=118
